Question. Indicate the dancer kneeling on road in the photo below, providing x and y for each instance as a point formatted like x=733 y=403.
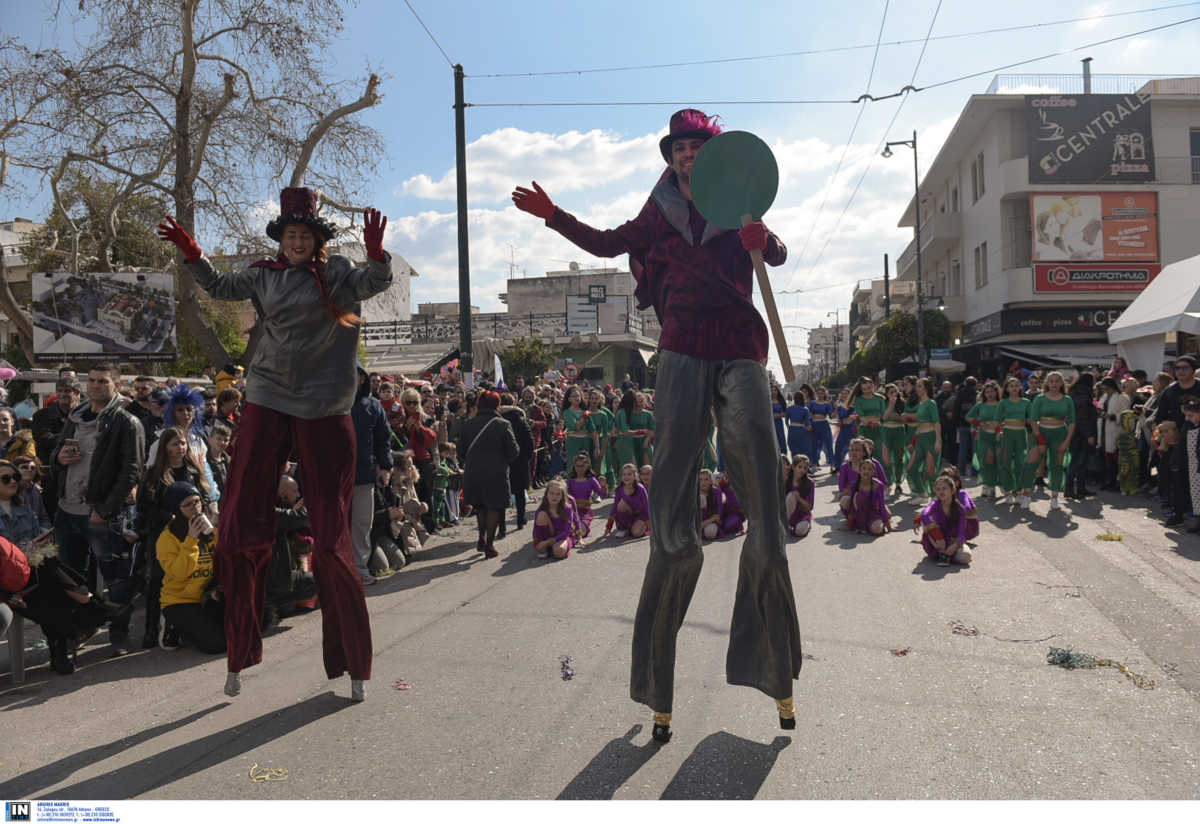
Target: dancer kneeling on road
x=868 y=510
x=971 y=529
x=860 y=452
x=581 y=486
x=631 y=506
x=944 y=526
x=801 y=492
x=712 y=506
x=556 y=527
x=185 y=551
x=733 y=517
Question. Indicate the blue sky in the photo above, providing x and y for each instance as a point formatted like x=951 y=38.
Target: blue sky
x=600 y=162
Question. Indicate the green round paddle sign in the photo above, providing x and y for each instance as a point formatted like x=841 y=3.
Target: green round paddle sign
x=735 y=174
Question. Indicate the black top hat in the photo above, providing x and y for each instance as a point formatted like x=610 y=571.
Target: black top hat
x=687 y=123
x=299 y=205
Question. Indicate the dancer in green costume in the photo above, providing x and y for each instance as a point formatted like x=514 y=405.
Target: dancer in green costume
x=1052 y=417
x=927 y=447
x=869 y=408
x=1014 y=441
x=632 y=416
x=578 y=426
x=893 y=437
x=985 y=418
x=602 y=422
x=908 y=395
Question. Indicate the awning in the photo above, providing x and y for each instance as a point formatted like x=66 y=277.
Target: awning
x=1060 y=354
x=645 y=355
x=436 y=366
x=946 y=365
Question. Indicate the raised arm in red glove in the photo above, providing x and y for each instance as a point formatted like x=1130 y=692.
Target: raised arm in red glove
x=754 y=236
x=536 y=202
x=373 y=226
x=179 y=236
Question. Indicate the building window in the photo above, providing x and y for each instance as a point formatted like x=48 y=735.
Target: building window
x=979 y=163
x=974 y=182
x=954 y=199
x=1195 y=142
x=981 y=265
x=956 y=285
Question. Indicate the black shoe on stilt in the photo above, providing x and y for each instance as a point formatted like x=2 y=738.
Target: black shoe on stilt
x=662 y=727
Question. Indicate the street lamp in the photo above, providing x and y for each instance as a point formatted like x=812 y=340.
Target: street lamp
x=887 y=152
x=836 y=317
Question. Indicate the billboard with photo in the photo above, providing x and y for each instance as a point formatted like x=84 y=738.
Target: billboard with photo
x=1089 y=138
x=1094 y=226
x=125 y=316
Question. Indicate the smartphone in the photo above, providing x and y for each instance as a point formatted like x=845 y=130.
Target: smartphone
x=44 y=537
x=71 y=445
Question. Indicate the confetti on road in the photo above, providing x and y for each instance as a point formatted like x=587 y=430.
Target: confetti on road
x=959 y=628
x=904 y=651
x=401 y=684
x=258 y=776
x=1110 y=536
x=567 y=671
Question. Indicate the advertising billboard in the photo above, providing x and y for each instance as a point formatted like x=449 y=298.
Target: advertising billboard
x=1089 y=138
x=1093 y=277
x=1101 y=226
x=125 y=316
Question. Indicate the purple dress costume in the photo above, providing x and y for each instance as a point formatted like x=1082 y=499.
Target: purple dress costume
x=733 y=517
x=581 y=489
x=715 y=506
x=799 y=515
x=562 y=528
x=848 y=478
x=639 y=503
x=970 y=515
x=868 y=507
x=933 y=515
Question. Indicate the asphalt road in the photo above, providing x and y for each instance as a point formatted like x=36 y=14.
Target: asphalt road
x=970 y=710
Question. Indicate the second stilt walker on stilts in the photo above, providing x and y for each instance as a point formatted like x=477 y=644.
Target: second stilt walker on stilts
x=713 y=350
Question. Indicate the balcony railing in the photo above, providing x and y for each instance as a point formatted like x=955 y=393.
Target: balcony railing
x=1070 y=83
x=500 y=325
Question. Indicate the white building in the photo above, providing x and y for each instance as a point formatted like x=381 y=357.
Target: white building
x=1043 y=215
x=828 y=348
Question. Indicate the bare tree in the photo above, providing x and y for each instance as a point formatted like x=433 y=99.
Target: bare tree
x=210 y=102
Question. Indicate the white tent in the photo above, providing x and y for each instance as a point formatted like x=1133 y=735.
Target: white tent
x=1171 y=303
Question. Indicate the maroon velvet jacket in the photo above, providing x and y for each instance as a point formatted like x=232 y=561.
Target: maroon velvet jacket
x=697 y=276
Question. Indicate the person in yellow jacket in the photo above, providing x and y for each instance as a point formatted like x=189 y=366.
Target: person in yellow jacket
x=229 y=376
x=185 y=551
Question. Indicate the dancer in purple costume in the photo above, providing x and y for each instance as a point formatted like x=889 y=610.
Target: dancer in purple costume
x=801 y=495
x=733 y=520
x=868 y=504
x=581 y=486
x=944 y=526
x=556 y=527
x=971 y=529
x=861 y=450
x=631 y=506
x=712 y=506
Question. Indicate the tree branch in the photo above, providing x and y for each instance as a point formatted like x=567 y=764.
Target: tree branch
x=207 y=125
x=99 y=161
x=369 y=98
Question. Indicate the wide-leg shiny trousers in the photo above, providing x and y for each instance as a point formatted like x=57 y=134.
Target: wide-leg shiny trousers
x=324 y=449
x=764 y=635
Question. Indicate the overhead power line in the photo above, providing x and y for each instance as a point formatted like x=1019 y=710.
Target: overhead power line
x=830 y=50
x=849 y=140
x=427 y=31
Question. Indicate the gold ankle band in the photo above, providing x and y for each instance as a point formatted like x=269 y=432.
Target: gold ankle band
x=786 y=706
x=663 y=718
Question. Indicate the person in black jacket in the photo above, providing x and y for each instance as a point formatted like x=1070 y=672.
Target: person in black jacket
x=373 y=465
x=288 y=584
x=96 y=461
x=49 y=421
x=1084 y=439
x=488 y=447
x=518 y=470
x=1170 y=408
x=967 y=397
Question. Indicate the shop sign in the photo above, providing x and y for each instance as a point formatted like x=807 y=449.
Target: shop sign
x=1092 y=277
x=1042 y=321
x=1089 y=138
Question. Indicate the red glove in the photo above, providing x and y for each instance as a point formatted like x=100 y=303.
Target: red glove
x=373 y=226
x=536 y=202
x=754 y=236
x=1041 y=439
x=179 y=236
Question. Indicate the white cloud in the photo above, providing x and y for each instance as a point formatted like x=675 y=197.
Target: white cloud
x=560 y=163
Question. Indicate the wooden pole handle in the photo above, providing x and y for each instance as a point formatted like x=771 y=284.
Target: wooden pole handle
x=768 y=297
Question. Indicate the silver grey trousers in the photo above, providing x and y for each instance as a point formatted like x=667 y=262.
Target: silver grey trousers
x=764 y=634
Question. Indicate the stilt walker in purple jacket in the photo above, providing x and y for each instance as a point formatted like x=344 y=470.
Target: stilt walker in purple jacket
x=697 y=276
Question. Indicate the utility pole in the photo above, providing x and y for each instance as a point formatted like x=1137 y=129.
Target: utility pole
x=465 y=360
x=887 y=295
x=836 y=323
x=921 y=364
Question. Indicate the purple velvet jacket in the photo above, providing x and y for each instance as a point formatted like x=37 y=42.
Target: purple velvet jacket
x=933 y=514
x=639 y=502
x=697 y=276
x=848 y=478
